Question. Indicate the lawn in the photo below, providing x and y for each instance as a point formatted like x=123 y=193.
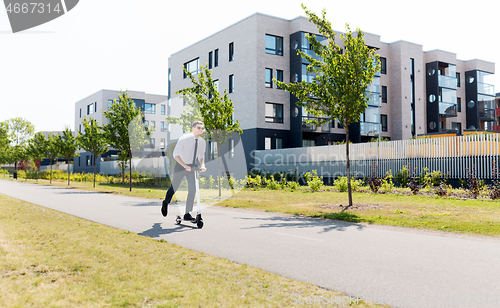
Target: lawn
x=51 y=259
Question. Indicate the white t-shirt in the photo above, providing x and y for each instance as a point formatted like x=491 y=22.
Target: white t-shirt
x=185 y=148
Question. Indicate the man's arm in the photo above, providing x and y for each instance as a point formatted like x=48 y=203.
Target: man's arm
x=202 y=165
x=182 y=163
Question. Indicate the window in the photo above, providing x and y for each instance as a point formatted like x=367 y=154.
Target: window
x=163 y=110
x=459 y=104
x=152 y=143
x=384 y=94
x=279 y=143
x=149 y=108
x=383 y=121
x=80 y=112
x=80 y=128
x=163 y=126
x=308 y=143
x=274 y=113
x=279 y=76
x=231 y=148
x=383 y=65
x=146 y=123
x=216 y=58
x=192 y=67
x=216 y=86
x=79 y=161
x=213 y=149
x=231 y=52
x=162 y=143
x=269 y=78
x=88 y=161
x=95 y=107
x=210 y=63
x=231 y=83
x=274 y=45
x=110 y=102
x=458 y=80
x=90 y=109
x=153 y=125
x=339 y=125
x=267 y=143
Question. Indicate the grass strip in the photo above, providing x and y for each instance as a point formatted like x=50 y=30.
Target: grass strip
x=51 y=259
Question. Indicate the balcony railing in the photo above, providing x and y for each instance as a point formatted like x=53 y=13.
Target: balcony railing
x=486 y=114
x=374 y=99
x=485 y=88
x=448 y=109
x=309 y=127
x=447 y=82
x=369 y=128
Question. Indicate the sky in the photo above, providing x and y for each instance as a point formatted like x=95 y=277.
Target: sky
x=125 y=44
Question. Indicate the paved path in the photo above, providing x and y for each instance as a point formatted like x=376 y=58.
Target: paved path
x=403 y=267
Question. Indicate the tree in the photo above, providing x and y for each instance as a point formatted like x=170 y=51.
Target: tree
x=68 y=146
x=215 y=109
x=125 y=130
x=51 y=150
x=123 y=163
x=36 y=149
x=339 y=88
x=93 y=140
x=20 y=131
x=4 y=143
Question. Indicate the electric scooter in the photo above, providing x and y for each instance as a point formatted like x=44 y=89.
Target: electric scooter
x=198 y=220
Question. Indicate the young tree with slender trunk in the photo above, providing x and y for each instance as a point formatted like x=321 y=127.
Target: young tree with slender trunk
x=51 y=150
x=36 y=149
x=68 y=147
x=339 y=88
x=20 y=131
x=215 y=109
x=125 y=131
x=93 y=140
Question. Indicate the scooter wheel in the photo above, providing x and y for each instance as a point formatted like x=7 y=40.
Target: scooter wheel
x=199 y=224
x=178 y=220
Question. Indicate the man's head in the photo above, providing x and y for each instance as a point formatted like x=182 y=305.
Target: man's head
x=197 y=128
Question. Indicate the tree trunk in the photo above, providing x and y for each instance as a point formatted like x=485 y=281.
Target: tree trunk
x=218 y=172
x=130 y=168
x=349 y=190
x=50 y=175
x=94 y=169
x=67 y=163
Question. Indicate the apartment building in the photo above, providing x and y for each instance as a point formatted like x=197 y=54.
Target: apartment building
x=154 y=110
x=416 y=92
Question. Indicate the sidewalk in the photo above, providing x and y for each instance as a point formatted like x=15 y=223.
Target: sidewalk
x=401 y=267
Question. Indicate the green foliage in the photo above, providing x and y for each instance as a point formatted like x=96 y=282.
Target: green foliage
x=315 y=182
x=272 y=184
x=341 y=184
x=93 y=139
x=402 y=176
x=387 y=183
x=68 y=146
x=292 y=186
x=20 y=130
x=374 y=181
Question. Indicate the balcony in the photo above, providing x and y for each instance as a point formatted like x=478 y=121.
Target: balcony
x=448 y=109
x=369 y=128
x=309 y=127
x=374 y=99
x=486 y=114
x=485 y=88
x=447 y=82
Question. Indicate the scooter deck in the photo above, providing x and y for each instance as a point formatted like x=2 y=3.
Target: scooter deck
x=198 y=221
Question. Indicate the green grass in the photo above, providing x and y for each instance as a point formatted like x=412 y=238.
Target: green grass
x=475 y=217
x=51 y=259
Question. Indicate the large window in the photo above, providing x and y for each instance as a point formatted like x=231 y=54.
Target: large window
x=279 y=143
x=231 y=52
x=383 y=65
x=192 y=67
x=162 y=143
x=163 y=110
x=274 y=45
x=152 y=143
x=163 y=126
x=149 y=108
x=274 y=113
x=90 y=109
x=269 y=78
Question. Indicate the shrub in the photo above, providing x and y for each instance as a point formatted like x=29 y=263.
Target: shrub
x=473 y=183
x=341 y=184
x=402 y=176
x=292 y=186
x=315 y=182
x=374 y=181
x=413 y=183
x=272 y=184
x=443 y=189
x=495 y=186
x=387 y=184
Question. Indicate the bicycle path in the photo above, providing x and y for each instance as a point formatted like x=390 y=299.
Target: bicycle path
x=395 y=266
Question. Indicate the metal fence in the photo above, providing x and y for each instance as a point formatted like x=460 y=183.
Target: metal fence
x=447 y=154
